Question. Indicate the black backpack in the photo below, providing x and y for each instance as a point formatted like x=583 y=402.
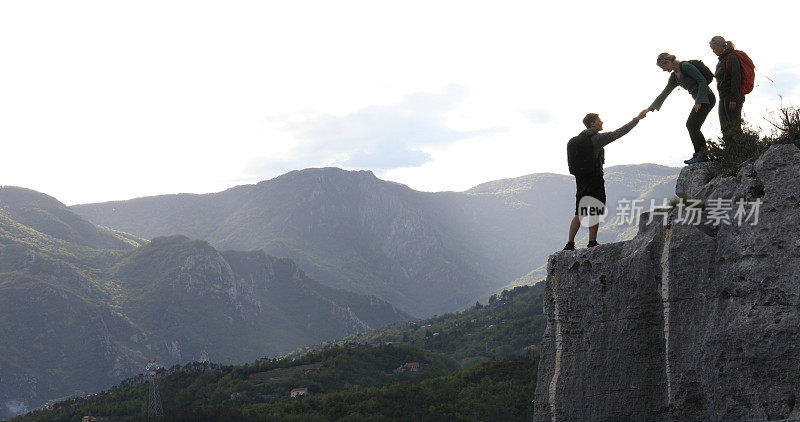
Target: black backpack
x=707 y=73
x=580 y=155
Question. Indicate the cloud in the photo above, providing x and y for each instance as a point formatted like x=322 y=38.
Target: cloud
x=537 y=116
x=378 y=137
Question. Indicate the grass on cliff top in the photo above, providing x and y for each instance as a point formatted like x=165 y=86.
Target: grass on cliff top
x=731 y=152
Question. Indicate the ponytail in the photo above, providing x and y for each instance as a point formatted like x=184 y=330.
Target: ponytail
x=720 y=41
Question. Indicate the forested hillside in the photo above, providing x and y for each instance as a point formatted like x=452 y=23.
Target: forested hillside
x=478 y=364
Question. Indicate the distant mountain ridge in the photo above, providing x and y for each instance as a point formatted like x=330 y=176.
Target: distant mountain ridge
x=49 y=216
x=425 y=252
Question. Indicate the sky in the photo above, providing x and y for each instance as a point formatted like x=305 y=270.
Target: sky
x=109 y=100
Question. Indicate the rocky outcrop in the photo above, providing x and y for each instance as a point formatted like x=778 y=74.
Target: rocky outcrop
x=55 y=336
x=686 y=321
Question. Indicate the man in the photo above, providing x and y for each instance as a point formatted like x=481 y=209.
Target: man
x=591 y=184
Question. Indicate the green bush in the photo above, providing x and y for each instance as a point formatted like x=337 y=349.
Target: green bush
x=786 y=126
x=731 y=151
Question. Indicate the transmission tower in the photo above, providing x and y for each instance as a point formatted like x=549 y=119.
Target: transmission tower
x=154 y=409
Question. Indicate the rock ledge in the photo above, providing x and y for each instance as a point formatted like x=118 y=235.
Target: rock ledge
x=683 y=322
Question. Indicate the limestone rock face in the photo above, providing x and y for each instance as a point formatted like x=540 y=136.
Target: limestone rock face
x=685 y=321
x=692 y=179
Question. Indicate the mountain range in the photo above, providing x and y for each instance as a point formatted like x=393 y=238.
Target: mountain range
x=425 y=252
x=82 y=307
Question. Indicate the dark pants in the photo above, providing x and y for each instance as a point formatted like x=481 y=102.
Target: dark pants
x=696 y=120
x=730 y=121
x=592 y=185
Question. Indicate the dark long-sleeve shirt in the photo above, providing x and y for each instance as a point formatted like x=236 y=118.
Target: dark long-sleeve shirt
x=729 y=76
x=601 y=139
x=691 y=80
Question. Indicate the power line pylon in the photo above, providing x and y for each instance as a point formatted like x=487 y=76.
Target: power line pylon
x=154 y=410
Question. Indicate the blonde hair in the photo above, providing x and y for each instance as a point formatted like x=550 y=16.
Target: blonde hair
x=721 y=42
x=664 y=57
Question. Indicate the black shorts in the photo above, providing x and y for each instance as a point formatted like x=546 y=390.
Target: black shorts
x=593 y=186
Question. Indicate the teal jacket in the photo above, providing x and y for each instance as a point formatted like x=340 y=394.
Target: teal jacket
x=691 y=80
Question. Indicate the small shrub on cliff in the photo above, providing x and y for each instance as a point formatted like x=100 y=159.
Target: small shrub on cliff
x=731 y=151
x=786 y=126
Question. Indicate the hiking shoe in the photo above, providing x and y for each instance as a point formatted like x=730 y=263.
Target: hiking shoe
x=592 y=243
x=697 y=158
x=570 y=246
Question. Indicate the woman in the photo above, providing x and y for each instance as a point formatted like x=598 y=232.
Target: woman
x=690 y=78
x=729 y=76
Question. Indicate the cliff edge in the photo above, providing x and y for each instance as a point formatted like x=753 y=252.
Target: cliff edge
x=690 y=320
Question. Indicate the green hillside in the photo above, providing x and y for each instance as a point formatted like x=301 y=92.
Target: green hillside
x=47 y=215
x=480 y=366
x=509 y=325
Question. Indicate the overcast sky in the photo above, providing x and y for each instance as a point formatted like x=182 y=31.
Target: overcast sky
x=107 y=100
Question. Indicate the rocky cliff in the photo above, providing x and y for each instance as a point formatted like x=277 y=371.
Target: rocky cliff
x=688 y=320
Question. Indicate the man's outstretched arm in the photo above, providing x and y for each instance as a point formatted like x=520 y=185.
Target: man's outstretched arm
x=602 y=139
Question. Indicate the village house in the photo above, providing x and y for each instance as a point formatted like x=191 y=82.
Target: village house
x=297 y=392
x=410 y=367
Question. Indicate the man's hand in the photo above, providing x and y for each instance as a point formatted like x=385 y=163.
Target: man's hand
x=732 y=105
x=643 y=114
x=696 y=107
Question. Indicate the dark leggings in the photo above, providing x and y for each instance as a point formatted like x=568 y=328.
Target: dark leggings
x=695 y=121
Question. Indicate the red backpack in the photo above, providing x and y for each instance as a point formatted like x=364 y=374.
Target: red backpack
x=748 y=70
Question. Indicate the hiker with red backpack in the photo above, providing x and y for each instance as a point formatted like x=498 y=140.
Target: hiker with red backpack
x=694 y=76
x=735 y=74
x=585 y=157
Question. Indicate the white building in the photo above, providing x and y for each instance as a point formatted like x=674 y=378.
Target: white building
x=296 y=392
